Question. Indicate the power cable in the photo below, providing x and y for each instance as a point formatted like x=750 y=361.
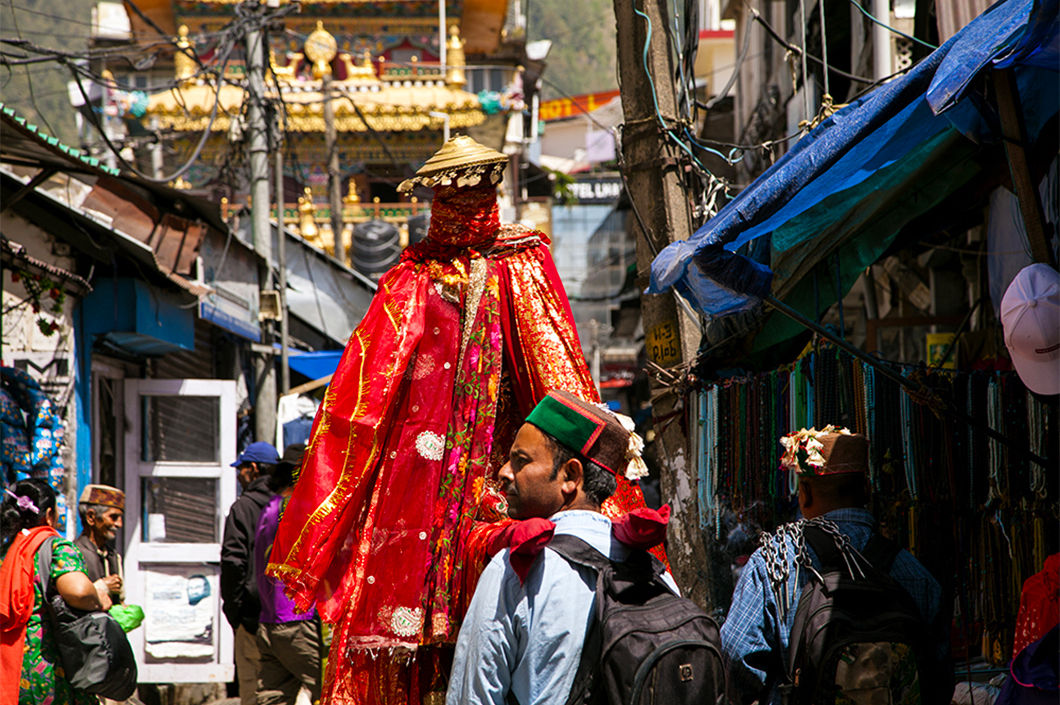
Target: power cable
x=29 y=80
x=658 y=112
x=824 y=49
x=231 y=35
x=375 y=134
x=162 y=33
x=735 y=75
x=799 y=50
x=889 y=28
x=74 y=69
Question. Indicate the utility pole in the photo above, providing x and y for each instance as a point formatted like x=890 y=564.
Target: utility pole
x=653 y=172
x=281 y=259
x=258 y=141
x=321 y=48
x=334 y=177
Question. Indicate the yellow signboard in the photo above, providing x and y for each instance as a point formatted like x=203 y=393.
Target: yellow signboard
x=663 y=344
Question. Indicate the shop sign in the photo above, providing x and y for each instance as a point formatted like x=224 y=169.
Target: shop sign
x=663 y=344
x=585 y=191
x=562 y=108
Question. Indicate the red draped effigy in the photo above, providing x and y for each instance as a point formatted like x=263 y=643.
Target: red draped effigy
x=388 y=527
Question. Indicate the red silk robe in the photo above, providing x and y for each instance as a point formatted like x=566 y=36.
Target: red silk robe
x=387 y=527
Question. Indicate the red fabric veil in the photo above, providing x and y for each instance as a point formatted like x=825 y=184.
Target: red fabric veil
x=389 y=525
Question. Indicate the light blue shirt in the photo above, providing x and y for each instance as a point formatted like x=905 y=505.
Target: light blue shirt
x=527 y=638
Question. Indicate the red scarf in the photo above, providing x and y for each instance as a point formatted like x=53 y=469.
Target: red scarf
x=16 y=605
x=639 y=529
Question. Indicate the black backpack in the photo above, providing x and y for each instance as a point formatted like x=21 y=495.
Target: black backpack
x=857 y=633
x=94 y=651
x=645 y=645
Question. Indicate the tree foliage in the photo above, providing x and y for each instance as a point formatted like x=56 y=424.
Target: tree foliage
x=583 y=56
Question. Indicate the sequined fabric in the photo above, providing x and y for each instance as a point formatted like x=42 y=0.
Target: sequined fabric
x=464 y=217
x=388 y=527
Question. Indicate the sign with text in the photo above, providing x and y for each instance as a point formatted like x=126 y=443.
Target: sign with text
x=603 y=190
x=562 y=108
x=664 y=344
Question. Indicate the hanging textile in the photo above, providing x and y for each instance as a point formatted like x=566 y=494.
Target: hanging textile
x=979 y=516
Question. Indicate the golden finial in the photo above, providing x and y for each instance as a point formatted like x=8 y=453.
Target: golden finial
x=180 y=184
x=351 y=198
x=183 y=60
x=307 y=225
x=454 y=56
x=321 y=48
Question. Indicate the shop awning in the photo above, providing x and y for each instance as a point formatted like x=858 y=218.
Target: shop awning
x=808 y=226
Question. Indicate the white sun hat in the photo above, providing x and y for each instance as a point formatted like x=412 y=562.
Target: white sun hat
x=1030 y=316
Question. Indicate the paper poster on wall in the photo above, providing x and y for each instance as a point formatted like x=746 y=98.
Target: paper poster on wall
x=180 y=609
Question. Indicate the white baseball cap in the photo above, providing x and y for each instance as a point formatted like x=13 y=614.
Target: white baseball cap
x=1030 y=316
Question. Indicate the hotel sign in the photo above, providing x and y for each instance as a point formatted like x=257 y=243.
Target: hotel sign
x=594 y=190
x=562 y=108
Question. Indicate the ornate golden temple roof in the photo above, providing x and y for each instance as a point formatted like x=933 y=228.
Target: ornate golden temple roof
x=402 y=100
x=389 y=108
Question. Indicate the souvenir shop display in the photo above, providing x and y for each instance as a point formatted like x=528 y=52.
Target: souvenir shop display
x=972 y=508
x=32 y=435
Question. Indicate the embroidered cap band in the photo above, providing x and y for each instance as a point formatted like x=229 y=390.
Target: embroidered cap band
x=104 y=495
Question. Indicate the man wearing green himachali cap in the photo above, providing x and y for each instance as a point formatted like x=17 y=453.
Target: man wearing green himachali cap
x=525 y=627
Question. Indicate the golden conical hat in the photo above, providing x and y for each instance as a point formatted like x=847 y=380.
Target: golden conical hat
x=460 y=151
x=459 y=158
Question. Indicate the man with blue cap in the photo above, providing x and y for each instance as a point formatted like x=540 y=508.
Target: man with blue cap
x=239 y=589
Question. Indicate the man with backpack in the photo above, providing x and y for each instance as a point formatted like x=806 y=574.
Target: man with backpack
x=827 y=610
x=531 y=631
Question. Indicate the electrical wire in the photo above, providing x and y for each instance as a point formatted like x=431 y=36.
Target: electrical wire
x=29 y=81
x=735 y=75
x=74 y=69
x=799 y=50
x=824 y=48
x=154 y=25
x=802 y=59
x=889 y=28
x=658 y=112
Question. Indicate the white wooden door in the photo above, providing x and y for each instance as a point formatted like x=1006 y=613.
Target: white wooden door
x=179 y=441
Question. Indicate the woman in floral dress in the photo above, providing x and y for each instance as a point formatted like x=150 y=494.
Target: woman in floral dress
x=28 y=518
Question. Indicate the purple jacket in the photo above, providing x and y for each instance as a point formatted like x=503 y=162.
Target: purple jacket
x=276 y=607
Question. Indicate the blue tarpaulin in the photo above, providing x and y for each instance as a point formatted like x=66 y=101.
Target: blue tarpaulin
x=836 y=201
x=315 y=365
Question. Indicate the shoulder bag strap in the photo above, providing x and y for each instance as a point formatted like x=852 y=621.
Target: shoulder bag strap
x=824 y=547
x=579 y=552
x=880 y=552
x=574 y=550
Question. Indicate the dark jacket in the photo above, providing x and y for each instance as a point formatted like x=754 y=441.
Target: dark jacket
x=239 y=588
x=99 y=564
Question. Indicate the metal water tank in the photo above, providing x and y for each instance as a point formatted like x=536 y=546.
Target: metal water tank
x=418 y=225
x=376 y=247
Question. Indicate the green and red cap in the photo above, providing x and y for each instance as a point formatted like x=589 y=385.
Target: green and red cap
x=591 y=431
